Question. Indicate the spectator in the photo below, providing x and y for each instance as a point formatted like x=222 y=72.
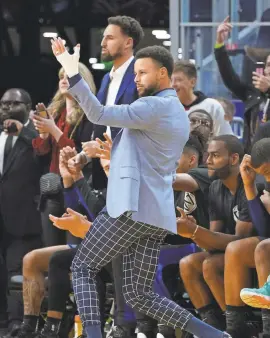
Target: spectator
x=229 y=108
x=192 y=181
x=256 y=250
x=66 y=126
x=253 y=96
x=20 y=171
x=202 y=122
x=184 y=79
x=202 y=272
x=79 y=195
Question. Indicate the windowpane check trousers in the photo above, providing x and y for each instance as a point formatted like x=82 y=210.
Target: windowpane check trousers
x=140 y=245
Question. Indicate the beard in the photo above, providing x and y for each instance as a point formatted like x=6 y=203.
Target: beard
x=148 y=91
x=18 y=114
x=110 y=57
x=222 y=173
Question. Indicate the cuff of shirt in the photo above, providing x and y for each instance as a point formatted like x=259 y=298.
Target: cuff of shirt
x=74 y=80
x=219 y=45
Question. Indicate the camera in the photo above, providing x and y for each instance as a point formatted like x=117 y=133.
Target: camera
x=10 y=129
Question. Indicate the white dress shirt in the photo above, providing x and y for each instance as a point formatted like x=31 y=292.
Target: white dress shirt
x=116 y=80
x=3 y=139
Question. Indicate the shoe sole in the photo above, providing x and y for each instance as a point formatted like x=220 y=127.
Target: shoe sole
x=256 y=300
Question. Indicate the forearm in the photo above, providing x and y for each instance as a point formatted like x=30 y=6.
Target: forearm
x=250 y=191
x=260 y=217
x=56 y=133
x=211 y=240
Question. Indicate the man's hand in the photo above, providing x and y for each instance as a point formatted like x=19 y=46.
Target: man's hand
x=186 y=225
x=104 y=151
x=260 y=82
x=247 y=172
x=91 y=148
x=8 y=124
x=69 y=62
x=65 y=154
x=223 y=31
x=72 y=221
x=75 y=165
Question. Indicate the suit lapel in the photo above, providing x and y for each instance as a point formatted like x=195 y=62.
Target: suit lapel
x=127 y=79
x=102 y=93
x=13 y=154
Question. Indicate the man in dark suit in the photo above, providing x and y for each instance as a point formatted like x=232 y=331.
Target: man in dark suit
x=120 y=38
x=20 y=224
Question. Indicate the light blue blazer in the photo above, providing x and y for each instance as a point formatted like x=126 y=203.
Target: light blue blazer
x=144 y=153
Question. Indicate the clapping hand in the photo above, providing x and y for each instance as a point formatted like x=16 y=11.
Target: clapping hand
x=104 y=151
x=65 y=154
x=186 y=225
x=70 y=62
x=42 y=124
x=72 y=221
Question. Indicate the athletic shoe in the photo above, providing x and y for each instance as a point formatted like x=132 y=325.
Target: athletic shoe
x=258 y=298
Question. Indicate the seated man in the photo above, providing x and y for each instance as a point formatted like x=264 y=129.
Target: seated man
x=36 y=263
x=256 y=251
x=202 y=272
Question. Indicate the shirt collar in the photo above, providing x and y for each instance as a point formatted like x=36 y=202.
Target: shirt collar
x=120 y=72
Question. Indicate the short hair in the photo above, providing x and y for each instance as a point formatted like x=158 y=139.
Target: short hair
x=159 y=54
x=129 y=27
x=230 y=107
x=232 y=144
x=202 y=111
x=187 y=67
x=196 y=142
x=260 y=153
x=24 y=94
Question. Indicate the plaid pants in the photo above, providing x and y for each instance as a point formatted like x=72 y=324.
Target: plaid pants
x=140 y=245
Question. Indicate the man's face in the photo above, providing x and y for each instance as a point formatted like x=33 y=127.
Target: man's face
x=114 y=43
x=267 y=67
x=182 y=84
x=201 y=122
x=219 y=162
x=147 y=76
x=186 y=162
x=12 y=106
x=264 y=170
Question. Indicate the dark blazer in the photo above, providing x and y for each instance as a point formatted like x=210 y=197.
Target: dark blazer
x=126 y=95
x=19 y=187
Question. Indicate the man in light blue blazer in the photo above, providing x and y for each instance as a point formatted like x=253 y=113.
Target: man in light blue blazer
x=140 y=202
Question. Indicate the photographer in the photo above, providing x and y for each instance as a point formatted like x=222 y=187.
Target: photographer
x=256 y=97
x=20 y=222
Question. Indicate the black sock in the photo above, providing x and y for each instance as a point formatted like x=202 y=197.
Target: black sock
x=31 y=321
x=266 y=321
x=235 y=317
x=213 y=315
x=52 y=325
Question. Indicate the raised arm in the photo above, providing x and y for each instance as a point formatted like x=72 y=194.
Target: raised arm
x=230 y=78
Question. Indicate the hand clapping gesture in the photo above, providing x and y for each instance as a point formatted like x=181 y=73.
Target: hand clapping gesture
x=72 y=221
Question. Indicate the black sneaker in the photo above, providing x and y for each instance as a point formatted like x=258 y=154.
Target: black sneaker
x=120 y=332
x=47 y=334
x=166 y=332
x=21 y=331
